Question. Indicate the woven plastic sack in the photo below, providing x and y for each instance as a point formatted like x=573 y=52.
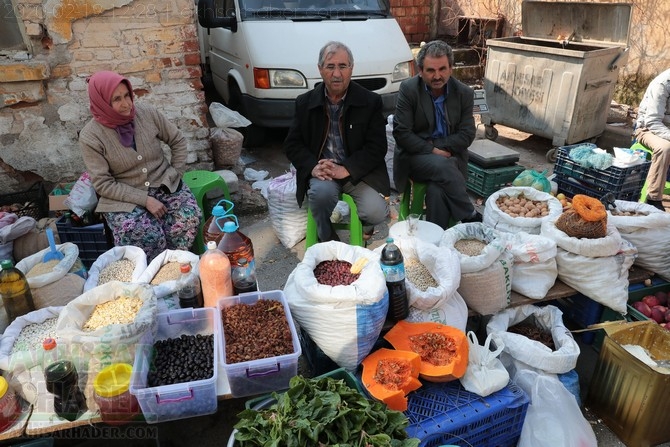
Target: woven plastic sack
x=169 y=287
x=130 y=252
x=288 y=219
x=535 y=270
x=495 y=218
x=344 y=321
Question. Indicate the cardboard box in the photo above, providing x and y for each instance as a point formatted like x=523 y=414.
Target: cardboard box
x=58 y=195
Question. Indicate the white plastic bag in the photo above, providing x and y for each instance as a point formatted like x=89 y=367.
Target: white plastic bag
x=344 y=321
x=288 y=219
x=82 y=197
x=553 y=418
x=532 y=353
x=485 y=373
x=130 y=252
x=224 y=117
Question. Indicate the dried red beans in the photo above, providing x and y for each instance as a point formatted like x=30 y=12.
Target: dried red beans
x=335 y=273
x=256 y=331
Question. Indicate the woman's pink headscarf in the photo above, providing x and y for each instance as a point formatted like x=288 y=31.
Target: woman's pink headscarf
x=100 y=88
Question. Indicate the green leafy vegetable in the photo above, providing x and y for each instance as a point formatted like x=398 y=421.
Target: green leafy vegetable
x=322 y=412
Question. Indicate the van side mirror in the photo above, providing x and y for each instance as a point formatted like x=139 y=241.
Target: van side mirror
x=211 y=17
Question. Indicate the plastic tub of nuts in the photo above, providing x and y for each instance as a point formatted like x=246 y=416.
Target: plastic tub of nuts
x=259 y=323
x=168 y=384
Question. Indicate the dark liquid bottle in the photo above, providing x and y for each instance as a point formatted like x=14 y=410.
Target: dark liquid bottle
x=16 y=296
x=393 y=266
x=244 y=277
x=62 y=381
x=189 y=289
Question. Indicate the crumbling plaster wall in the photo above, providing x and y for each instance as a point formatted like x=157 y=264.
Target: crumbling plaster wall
x=43 y=99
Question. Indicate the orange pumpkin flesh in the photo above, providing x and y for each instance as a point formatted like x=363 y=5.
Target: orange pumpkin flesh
x=400 y=336
x=392 y=388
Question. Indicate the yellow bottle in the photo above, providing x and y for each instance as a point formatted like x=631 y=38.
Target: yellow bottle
x=15 y=291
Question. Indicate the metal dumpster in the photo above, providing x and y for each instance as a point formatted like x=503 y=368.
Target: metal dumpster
x=557 y=80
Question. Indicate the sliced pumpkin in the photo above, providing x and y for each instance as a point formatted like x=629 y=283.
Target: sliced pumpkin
x=443 y=349
x=389 y=375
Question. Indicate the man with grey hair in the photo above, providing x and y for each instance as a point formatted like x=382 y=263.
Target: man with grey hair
x=337 y=143
x=433 y=127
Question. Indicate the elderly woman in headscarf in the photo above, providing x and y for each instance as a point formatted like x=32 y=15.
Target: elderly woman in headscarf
x=142 y=197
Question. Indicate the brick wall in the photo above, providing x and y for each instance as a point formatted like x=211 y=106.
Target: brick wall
x=43 y=100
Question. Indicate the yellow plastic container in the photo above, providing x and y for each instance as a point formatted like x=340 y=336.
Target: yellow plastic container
x=112 y=394
x=631 y=397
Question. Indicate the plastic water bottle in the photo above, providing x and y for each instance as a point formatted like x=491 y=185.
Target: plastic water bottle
x=215 y=275
x=212 y=230
x=244 y=277
x=188 y=288
x=16 y=296
x=236 y=244
x=393 y=266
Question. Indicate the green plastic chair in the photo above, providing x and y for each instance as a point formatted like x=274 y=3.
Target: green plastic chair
x=412 y=199
x=354 y=226
x=200 y=183
x=643 y=193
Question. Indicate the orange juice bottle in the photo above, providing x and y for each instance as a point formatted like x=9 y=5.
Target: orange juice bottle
x=215 y=275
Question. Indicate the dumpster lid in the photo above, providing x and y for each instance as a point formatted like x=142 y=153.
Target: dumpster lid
x=577 y=21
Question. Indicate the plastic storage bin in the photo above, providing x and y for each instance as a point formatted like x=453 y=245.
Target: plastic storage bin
x=485 y=181
x=557 y=81
x=260 y=376
x=629 y=396
x=92 y=241
x=583 y=311
x=445 y=413
x=182 y=400
x=624 y=183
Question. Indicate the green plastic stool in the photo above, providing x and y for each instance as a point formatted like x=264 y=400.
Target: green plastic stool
x=355 y=226
x=643 y=193
x=200 y=183
x=412 y=199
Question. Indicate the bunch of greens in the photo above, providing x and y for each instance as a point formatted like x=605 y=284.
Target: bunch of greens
x=319 y=412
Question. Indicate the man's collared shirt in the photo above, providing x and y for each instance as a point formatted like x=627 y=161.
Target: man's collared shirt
x=334 y=145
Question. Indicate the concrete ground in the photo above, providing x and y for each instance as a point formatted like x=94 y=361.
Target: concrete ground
x=274 y=264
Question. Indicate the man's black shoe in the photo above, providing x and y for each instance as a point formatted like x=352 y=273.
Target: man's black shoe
x=656 y=203
x=476 y=218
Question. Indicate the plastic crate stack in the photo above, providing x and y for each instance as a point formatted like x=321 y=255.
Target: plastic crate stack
x=572 y=178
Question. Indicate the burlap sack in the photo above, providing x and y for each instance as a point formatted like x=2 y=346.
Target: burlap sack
x=488 y=291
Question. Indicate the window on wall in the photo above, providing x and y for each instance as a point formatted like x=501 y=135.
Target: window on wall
x=12 y=37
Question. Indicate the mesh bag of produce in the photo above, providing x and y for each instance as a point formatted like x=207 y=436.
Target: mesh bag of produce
x=586 y=219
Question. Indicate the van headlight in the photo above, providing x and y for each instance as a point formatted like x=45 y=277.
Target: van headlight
x=265 y=78
x=403 y=71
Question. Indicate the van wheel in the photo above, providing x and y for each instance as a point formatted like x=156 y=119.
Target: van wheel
x=253 y=135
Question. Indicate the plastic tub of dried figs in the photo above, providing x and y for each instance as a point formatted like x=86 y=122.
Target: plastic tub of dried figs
x=259 y=342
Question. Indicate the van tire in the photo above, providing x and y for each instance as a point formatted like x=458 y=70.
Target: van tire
x=254 y=135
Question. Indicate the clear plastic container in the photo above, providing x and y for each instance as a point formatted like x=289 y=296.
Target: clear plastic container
x=112 y=394
x=215 y=275
x=10 y=408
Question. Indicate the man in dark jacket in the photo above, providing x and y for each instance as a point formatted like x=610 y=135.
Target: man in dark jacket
x=337 y=143
x=433 y=127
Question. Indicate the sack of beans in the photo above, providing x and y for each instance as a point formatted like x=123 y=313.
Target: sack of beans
x=126 y=263
x=515 y=209
x=164 y=271
x=432 y=278
x=103 y=324
x=341 y=311
x=597 y=268
x=486 y=266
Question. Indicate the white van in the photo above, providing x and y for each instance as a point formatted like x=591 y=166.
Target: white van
x=263 y=53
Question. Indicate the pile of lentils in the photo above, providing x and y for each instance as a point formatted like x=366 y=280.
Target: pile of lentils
x=121 y=270
x=335 y=273
x=184 y=359
x=256 y=331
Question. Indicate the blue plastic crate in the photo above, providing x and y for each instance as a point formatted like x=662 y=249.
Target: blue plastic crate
x=613 y=179
x=582 y=311
x=445 y=413
x=570 y=187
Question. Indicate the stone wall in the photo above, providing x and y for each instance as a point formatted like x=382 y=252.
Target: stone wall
x=43 y=99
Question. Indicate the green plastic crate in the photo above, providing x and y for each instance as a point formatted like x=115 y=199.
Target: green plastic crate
x=487 y=181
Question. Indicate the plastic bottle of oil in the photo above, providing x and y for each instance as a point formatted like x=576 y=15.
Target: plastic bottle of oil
x=15 y=291
x=213 y=227
x=236 y=244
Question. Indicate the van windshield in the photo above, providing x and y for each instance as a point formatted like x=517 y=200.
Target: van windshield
x=313 y=9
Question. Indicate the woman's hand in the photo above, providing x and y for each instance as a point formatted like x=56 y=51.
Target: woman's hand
x=156 y=207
